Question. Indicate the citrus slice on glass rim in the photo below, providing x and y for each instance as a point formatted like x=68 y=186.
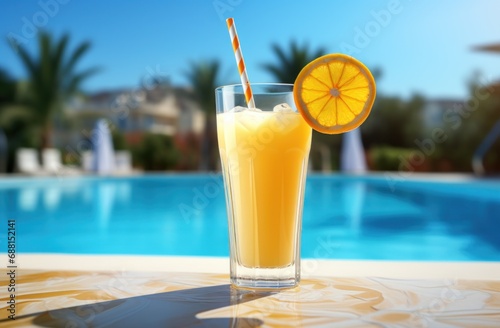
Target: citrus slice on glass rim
x=334 y=93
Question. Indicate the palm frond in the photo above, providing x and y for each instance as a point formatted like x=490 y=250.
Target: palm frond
x=69 y=66
x=204 y=78
x=77 y=79
x=26 y=58
x=51 y=76
x=58 y=56
x=290 y=62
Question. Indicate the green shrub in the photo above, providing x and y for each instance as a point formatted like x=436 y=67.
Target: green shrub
x=119 y=142
x=389 y=158
x=156 y=152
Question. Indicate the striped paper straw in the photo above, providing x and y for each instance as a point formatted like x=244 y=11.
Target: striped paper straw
x=240 y=62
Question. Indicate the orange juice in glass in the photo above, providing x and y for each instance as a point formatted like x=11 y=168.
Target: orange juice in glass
x=264 y=154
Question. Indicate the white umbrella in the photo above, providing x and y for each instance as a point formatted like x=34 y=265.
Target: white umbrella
x=352 y=157
x=104 y=157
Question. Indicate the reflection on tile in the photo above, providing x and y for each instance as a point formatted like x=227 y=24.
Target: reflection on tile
x=133 y=299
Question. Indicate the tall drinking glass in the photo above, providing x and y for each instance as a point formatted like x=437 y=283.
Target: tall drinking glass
x=264 y=154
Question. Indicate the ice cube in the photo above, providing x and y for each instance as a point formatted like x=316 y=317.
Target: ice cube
x=251 y=118
x=283 y=108
x=237 y=109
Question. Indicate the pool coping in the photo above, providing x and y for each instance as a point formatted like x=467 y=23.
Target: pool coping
x=220 y=265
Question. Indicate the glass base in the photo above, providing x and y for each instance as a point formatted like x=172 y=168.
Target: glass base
x=265 y=278
x=264 y=285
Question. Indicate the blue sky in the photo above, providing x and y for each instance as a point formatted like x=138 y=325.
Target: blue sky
x=422 y=46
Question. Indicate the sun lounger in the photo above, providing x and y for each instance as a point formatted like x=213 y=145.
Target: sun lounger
x=52 y=163
x=27 y=162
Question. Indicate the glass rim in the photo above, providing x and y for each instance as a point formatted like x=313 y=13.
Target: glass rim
x=254 y=84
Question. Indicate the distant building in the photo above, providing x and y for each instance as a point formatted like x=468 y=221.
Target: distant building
x=163 y=109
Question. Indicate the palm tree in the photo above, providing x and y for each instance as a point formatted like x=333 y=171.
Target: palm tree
x=16 y=122
x=52 y=78
x=7 y=87
x=290 y=62
x=204 y=78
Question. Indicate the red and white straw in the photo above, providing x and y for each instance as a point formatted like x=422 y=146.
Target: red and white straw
x=240 y=63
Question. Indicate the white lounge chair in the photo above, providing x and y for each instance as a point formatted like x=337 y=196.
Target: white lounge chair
x=52 y=162
x=86 y=160
x=27 y=162
x=51 y=159
x=123 y=161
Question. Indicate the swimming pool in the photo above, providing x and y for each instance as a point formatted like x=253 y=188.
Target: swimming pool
x=345 y=217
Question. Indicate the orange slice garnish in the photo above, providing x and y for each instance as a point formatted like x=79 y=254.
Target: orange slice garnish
x=334 y=93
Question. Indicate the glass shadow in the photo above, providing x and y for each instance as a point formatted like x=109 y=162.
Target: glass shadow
x=170 y=309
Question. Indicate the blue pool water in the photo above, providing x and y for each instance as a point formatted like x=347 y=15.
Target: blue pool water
x=344 y=217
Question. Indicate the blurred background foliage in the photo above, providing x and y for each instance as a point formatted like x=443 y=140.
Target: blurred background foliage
x=31 y=108
x=156 y=152
x=204 y=77
x=467 y=127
